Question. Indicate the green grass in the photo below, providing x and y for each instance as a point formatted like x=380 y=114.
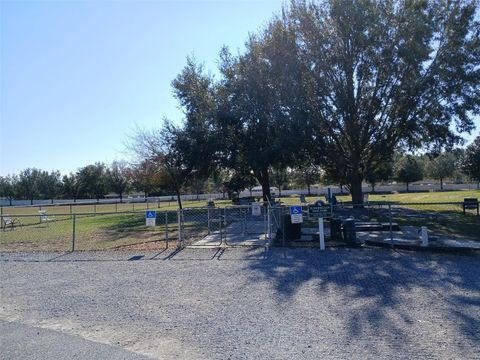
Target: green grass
x=123 y=229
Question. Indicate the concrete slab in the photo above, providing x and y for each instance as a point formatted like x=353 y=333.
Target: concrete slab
x=236 y=234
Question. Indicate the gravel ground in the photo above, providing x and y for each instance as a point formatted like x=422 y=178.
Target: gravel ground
x=242 y=304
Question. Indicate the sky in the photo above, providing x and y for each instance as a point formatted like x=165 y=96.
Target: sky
x=76 y=78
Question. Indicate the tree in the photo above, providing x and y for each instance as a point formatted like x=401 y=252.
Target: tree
x=93 y=180
x=408 y=169
x=118 y=178
x=145 y=177
x=28 y=184
x=378 y=173
x=383 y=74
x=306 y=175
x=442 y=167
x=164 y=150
x=71 y=186
x=279 y=178
x=471 y=162
x=8 y=187
x=49 y=184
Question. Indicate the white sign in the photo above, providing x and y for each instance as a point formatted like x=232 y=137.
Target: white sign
x=296 y=216
x=150 y=217
x=256 y=209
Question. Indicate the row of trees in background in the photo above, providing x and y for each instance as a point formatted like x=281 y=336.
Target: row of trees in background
x=97 y=180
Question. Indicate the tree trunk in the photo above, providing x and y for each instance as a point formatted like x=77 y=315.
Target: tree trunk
x=308 y=189
x=373 y=188
x=264 y=180
x=179 y=198
x=120 y=197
x=356 y=191
x=407 y=187
x=441 y=184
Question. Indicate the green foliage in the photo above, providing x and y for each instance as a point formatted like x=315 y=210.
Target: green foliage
x=306 y=175
x=118 y=178
x=93 y=181
x=28 y=184
x=71 y=186
x=471 y=161
x=8 y=187
x=442 y=166
x=408 y=169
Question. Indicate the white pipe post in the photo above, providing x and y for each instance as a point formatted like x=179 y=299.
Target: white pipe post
x=424 y=233
x=321 y=234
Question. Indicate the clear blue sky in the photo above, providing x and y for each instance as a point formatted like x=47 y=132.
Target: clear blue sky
x=77 y=76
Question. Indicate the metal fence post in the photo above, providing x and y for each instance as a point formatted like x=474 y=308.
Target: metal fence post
x=269 y=221
x=390 y=221
x=208 y=220
x=70 y=210
x=166 y=229
x=74 y=220
x=179 y=220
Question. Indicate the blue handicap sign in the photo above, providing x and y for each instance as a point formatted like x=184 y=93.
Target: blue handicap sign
x=294 y=210
x=151 y=214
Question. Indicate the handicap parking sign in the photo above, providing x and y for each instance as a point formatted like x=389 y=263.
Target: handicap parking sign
x=150 y=217
x=296 y=214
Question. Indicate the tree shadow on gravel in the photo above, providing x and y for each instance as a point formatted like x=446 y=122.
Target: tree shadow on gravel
x=383 y=292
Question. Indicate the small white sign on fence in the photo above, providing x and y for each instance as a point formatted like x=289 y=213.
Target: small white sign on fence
x=296 y=216
x=150 y=217
x=256 y=209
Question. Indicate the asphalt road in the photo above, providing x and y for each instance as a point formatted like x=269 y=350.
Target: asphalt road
x=240 y=304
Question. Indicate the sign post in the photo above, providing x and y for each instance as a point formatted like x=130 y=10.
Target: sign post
x=150 y=217
x=321 y=233
x=296 y=216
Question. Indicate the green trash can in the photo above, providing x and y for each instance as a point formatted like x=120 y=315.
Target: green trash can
x=292 y=231
x=335 y=229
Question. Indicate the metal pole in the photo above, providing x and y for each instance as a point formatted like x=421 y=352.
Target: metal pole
x=73 y=232
x=166 y=229
x=179 y=220
x=390 y=221
x=269 y=221
x=424 y=236
x=321 y=234
x=208 y=220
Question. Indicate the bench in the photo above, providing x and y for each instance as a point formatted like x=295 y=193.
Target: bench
x=470 y=204
x=7 y=220
x=44 y=218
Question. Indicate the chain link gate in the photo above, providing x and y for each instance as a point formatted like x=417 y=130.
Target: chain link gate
x=229 y=226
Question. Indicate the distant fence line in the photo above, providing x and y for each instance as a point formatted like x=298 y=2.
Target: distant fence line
x=313 y=191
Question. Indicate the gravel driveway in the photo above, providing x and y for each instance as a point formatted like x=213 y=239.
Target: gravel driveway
x=241 y=304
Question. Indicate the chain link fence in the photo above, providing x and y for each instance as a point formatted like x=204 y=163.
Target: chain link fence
x=228 y=226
